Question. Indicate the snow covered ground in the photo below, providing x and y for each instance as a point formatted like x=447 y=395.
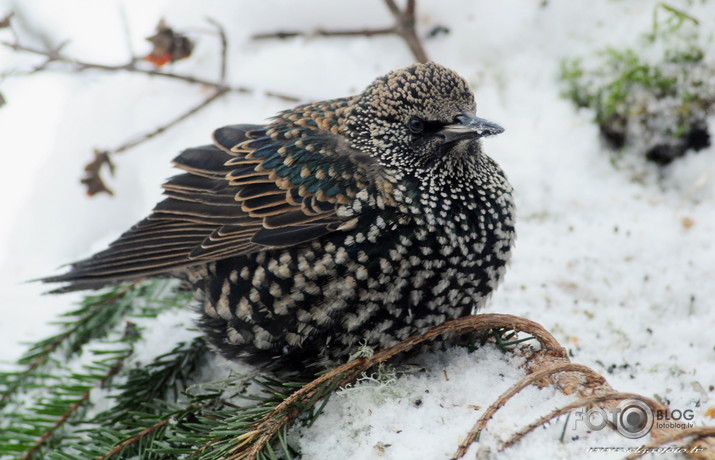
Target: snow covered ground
x=618 y=263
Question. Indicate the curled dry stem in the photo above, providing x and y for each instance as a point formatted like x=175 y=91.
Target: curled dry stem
x=253 y=442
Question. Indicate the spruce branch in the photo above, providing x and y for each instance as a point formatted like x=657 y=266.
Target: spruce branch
x=147 y=433
x=56 y=398
x=92 y=320
x=164 y=378
x=212 y=426
x=158 y=413
x=41 y=424
x=141 y=435
x=98 y=315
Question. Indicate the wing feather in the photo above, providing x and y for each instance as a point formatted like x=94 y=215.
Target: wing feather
x=258 y=187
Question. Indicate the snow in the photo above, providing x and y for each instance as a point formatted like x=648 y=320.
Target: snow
x=606 y=257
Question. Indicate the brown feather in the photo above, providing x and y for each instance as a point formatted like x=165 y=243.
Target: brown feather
x=227 y=203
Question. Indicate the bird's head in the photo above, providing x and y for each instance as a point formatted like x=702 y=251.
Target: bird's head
x=417 y=116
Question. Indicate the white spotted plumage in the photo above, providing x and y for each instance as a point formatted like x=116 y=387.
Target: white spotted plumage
x=359 y=220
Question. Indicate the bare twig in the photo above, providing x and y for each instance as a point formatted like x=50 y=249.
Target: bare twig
x=144 y=137
x=93 y=180
x=404 y=27
x=394 y=9
x=79 y=65
x=507 y=395
x=326 y=33
x=224 y=48
x=126 y=29
x=702 y=448
x=546 y=368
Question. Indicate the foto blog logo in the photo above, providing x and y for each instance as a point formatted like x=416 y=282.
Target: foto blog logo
x=632 y=418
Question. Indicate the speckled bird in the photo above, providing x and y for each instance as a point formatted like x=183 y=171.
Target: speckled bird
x=341 y=223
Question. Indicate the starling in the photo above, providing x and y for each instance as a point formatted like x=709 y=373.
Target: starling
x=353 y=221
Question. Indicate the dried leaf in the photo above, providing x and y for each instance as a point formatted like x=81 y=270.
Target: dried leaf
x=5 y=22
x=168 y=46
x=93 y=180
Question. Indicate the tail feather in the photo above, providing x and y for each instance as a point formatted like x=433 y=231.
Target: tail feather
x=248 y=192
x=199 y=201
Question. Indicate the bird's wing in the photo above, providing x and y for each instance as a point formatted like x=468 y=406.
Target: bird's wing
x=258 y=187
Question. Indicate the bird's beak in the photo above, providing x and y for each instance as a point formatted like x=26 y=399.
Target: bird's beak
x=469 y=127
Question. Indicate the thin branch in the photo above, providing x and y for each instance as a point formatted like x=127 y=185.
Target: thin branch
x=326 y=33
x=79 y=65
x=93 y=179
x=511 y=392
x=224 y=48
x=394 y=9
x=145 y=137
x=404 y=27
x=612 y=396
x=43 y=65
x=410 y=8
x=698 y=432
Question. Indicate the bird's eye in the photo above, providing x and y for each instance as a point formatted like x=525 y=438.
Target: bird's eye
x=416 y=125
